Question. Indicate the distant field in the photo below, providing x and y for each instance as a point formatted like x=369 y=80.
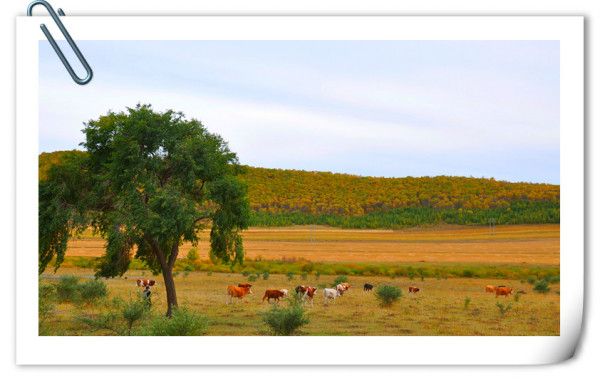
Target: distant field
x=513 y=244
x=438 y=309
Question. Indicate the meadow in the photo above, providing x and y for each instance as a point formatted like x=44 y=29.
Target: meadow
x=450 y=264
x=440 y=308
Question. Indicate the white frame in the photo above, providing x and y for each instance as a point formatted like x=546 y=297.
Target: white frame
x=34 y=349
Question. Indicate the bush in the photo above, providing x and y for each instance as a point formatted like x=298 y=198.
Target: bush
x=92 y=290
x=541 y=286
x=552 y=278
x=67 y=289
x=339 y=279
x=317 y=275
x=192 y=254
x=503 y=308
x=46 y=304
x=133 y=311
x=290 y=275
x=183 y=322
x=265 y=275
x=252 y=277
x=467 y=302
x=387 y=294
x=531 y=279
x=285 y=321
x=468 y=273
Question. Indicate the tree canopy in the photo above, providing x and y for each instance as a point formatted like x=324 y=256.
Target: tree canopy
x=147 y=181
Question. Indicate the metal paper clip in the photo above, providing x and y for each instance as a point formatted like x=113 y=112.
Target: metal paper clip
x=88 y=69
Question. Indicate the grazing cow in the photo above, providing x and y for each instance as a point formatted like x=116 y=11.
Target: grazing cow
x=503 y=290
x=307 y=292
x=145 y=282
x=238 y=291
x=300 y=289
x=273 y=294
x=330 y=293
x=490 y=288
x=342 y=287
x=413 y=290
x=367 y=287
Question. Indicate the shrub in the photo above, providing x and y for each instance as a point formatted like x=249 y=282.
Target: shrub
x=541 y=286
x=252 y=277
x=531 y=279
x=46 y=304
x=290 y=275
x=183 y=322
x=285 y=321
x=421 y=273
x=339 y=279
x=468 y=273
x=265 y=275
x=387 y=294
x=93 y=290
x=133 y=311
x=503 y=308
x=192 y=254
x=467 y=302
x=317 y=275
x=67 y=288
x=552 y=278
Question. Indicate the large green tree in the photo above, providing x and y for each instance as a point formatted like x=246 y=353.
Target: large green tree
x=147 y=182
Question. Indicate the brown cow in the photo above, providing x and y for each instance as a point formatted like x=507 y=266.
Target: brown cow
x=145 y=282
x=503 y=290
x=490 y=288
x=238 y=291
x=273 y=294
x=307 y=292
x=413 y=290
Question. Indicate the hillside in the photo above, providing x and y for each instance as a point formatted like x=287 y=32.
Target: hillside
x=292 y=197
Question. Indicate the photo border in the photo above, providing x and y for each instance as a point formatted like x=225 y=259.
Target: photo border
x=384 y=350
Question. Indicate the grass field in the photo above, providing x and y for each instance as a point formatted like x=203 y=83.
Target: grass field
x=467 y=256
x=516 y=244
x=438 y=309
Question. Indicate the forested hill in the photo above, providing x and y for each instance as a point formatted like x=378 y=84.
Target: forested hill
x=291 y=197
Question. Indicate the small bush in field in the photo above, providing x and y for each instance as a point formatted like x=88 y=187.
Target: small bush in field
x=531 y=279
x=541 y=286
x=290 y=275
x=467 y=302
x=552 y=278
x=387 y=294
x=285 y=321
x=93 y=290
x=192 y=254
x=503 y=308
x=133 y=311
x=67 y=289
x=317 y=275
x=339 y=279
x=252 y=278
x=183 y=322
x=265 y=275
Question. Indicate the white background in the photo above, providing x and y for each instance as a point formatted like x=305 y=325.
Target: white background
x=584 y=364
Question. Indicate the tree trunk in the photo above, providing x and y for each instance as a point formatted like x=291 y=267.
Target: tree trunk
x=170 y=287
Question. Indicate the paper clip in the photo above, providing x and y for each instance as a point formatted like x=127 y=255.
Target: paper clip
x=88 y=69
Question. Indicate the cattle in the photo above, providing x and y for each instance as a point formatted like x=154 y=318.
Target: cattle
x=307 y=292
x=330 y=294
x=342 y=287
x=503 y=290
x=490 y=288
x=413 y=289
x=273 y=294
x=145 y=282
x=238 y=291
x=300 y=289
x=367 y=287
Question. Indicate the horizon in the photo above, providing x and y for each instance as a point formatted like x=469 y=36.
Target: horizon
x=393 y=109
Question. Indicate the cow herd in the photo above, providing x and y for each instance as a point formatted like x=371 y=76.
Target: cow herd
x=307 y=293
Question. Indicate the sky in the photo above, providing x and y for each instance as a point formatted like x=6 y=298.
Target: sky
x=373 y=108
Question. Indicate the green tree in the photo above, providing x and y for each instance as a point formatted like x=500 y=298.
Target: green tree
x=147 y=182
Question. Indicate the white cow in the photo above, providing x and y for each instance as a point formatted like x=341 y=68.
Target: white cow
x=330 y=293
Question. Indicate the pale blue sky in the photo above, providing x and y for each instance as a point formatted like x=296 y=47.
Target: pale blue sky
x=379 y=108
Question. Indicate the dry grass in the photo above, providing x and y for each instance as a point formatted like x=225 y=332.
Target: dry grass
x=521 y=244
x=438 y=309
